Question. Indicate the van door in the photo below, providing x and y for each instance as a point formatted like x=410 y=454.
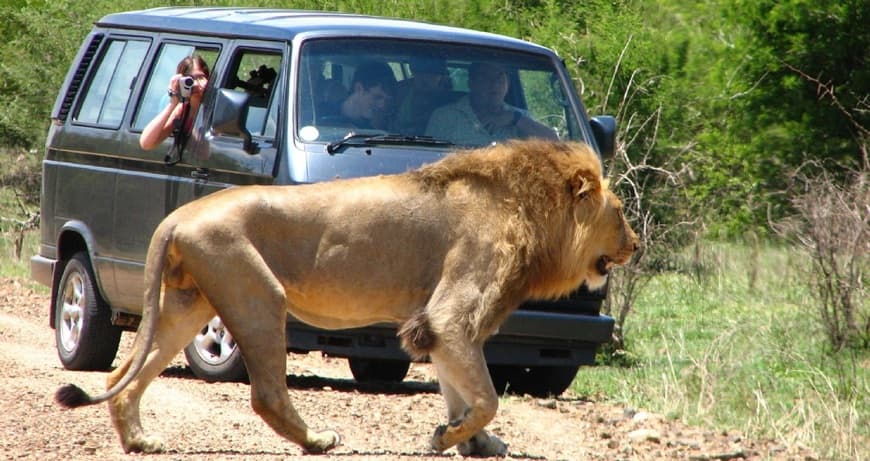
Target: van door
x=147 y=188
x=222 y=161
x=83 y=157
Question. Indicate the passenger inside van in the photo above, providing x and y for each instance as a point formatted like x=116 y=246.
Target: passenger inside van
x=420 y=94
x=259 y=87
x=369 y=102
x=177 y=117
x=482 y=116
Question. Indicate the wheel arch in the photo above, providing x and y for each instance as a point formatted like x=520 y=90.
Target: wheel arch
x=74 y=237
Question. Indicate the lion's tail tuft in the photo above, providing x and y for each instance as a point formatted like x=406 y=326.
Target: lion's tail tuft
x=416 y=336
x=72 y=396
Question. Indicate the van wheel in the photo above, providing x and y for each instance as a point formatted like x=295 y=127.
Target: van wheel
x=371 y=370
x=535 y=381
x=83 y=330
x=214 y=356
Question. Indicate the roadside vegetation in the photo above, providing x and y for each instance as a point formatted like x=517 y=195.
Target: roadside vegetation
x=730 y=337
x=744 y=132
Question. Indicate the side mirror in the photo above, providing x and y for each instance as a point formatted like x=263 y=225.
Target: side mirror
x=604 y=130
x=230 y=117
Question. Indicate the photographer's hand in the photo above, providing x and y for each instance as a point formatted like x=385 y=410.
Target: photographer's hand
x=175 y=89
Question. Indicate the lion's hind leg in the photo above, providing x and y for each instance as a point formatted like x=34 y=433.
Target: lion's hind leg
x=264 y=348
x=181 y=315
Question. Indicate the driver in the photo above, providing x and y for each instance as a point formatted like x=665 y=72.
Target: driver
x=482 y=117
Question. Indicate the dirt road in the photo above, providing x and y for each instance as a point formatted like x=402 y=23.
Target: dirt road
x=215 y=421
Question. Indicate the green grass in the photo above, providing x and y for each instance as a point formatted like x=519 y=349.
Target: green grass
x=10 y=266
x=19 y=192
x=706 y=350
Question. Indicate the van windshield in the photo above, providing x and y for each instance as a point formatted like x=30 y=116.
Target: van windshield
x=460 y=95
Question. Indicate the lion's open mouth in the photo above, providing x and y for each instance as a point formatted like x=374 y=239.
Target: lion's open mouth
x=603 y=265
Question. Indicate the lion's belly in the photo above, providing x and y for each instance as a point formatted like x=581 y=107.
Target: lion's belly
x=337 y=307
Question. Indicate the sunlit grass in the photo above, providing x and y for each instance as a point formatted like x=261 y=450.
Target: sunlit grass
x=19 y=190
x=12 y=265
x=706 y=349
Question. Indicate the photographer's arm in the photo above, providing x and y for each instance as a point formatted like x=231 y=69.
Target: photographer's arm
x=161 y=126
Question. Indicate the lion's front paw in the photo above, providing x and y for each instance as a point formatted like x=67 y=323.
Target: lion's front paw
x=144 y=444
x=437 y=442
x=321 y=442
x=482 y=444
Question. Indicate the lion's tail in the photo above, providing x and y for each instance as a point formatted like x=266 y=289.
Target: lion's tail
x=72 y=396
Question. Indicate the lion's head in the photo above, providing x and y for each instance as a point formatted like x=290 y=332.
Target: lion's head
x=611 y=241
x=555 y=209
x=604 y=238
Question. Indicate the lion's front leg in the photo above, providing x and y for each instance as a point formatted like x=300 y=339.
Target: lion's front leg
x=471 y=401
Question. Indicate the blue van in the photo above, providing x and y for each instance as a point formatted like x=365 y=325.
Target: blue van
x=268 y=116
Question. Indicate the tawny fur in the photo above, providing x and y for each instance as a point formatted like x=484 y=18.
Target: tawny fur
x=446 y=252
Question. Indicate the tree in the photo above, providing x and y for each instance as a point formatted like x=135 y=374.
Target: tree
x=777 y=118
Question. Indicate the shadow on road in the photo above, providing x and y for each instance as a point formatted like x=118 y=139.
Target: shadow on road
x=300 y=382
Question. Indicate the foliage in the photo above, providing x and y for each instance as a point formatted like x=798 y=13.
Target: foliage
x=831 y=225
x=776 y=118
x=41 y=39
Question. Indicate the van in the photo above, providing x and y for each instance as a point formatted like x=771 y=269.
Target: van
x=267 y=117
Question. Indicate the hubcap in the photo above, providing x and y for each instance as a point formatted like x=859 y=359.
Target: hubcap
x=72 y=312
x=214 y=344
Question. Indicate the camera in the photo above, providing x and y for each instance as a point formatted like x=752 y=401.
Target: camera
x=185 y=85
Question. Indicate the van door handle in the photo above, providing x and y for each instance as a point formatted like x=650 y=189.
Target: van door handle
x=200 y=174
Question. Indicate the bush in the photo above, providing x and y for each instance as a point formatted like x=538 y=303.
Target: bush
x=832 y=225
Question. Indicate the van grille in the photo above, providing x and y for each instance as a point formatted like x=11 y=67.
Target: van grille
x=79 y=76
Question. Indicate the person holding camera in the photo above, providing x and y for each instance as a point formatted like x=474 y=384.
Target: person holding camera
x=186 y=88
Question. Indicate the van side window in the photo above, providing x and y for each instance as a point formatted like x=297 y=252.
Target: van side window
x=156 y=95
x=256 y=72
x=110 y=86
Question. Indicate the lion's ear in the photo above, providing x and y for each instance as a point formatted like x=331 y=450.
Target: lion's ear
x=583 y=182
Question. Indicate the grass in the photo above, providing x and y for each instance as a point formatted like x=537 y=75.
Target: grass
x=19 y=192
x=706 y=349
x=12 y=266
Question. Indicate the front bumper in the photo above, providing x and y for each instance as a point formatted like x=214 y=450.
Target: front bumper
x=41 y=269
x=529 y=338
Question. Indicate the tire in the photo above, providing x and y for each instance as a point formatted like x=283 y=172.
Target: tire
x=534 y=381
x=214 y=356
x=83 y=330
x=378 y=370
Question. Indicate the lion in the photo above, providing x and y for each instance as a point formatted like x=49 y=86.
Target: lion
x=446 y=252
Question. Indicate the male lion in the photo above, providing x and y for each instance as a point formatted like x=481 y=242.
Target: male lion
x=447 y=252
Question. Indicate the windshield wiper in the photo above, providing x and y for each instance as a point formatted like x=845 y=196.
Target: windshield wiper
x=347 y=140
x=362 y=139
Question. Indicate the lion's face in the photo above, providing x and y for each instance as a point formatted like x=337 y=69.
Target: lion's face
x=612 y=241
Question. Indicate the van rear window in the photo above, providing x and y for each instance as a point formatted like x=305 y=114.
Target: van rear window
x=108 y=93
